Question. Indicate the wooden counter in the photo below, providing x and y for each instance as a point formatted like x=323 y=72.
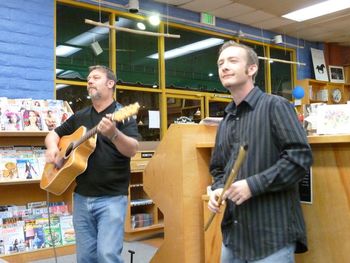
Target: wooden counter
x=328 y=217
x=177 y=176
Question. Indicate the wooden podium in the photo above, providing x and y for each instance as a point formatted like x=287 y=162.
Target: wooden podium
x=176 y=178
x=178 y=174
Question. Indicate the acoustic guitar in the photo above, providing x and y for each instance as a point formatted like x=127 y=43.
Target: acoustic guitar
x=74 y=152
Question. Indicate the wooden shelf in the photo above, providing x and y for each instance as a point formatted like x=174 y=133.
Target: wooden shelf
x=23 y=134
x=342 y=138
x=38 y=254
x=312 y=87
x=136 y=192
x=14 y=182
x=24 y=191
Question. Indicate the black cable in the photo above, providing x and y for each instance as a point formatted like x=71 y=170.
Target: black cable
x=50 y=231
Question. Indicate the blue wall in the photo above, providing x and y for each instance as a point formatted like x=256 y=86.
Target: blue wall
x=27 y=44
x=27 y=49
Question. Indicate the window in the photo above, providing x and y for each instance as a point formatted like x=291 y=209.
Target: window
x=76 y=96
x=281 y=73
x=149 y=101
x=260 y=77
x=78 y=44
x=134 y=67
x=196 y=67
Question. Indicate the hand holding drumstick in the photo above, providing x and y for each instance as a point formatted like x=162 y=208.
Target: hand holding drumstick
x=230 y=179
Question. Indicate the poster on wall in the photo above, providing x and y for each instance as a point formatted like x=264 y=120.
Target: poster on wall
x=333 y=119
x=319 y=64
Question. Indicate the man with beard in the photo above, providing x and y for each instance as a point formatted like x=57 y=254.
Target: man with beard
x=100 y=196
x=263 y=221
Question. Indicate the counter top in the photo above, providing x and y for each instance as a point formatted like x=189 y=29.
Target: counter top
x=339 y=138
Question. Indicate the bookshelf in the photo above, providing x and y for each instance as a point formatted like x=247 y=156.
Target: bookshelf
x=143 y=217
x=317 y=91
x=21 y=193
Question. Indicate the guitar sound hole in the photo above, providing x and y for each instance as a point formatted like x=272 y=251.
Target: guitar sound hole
x=68 y=151
x=59 y=164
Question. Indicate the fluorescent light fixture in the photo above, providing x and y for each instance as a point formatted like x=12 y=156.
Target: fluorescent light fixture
x=317 y=10
x=141 y=26
x=92 y=35
x=187 y=49
x=66 y=51
x=154 y=20
x=61 y=86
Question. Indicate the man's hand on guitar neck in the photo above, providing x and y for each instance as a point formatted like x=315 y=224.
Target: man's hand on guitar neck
x=107 y=127
x=125 y=144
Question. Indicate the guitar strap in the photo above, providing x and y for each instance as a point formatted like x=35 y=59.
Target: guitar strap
x=118 y=106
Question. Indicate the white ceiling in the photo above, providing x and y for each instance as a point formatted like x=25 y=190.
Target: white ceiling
x=266 y=14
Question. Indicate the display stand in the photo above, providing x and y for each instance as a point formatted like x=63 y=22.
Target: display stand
x=176 y=178
x=139 y=203
x=20 y=193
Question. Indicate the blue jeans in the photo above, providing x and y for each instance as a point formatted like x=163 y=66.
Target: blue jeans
x=284 y=255
x=99 y=228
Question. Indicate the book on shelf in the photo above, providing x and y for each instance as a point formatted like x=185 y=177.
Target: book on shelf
x=29 y=233
x=13 y=239
x=8 y=167
x=141 y=220
x=37 y=204
x=67 y=230
x=39 y=236
x=11 y=119
x=137 y=202
x=21 y=163
x=28 y=169
x=32 y=115
x=52 y=232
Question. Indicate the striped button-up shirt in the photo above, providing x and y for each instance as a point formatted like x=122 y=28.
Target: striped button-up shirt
x=277 y=159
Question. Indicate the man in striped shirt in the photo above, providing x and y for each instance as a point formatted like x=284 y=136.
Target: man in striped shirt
x=263 y=221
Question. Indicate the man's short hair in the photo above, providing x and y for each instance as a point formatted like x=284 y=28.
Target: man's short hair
x=252 y=57
x=110 y=74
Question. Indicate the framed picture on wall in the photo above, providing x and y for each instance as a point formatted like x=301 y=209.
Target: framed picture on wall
x=336 y=74
x=319 y=64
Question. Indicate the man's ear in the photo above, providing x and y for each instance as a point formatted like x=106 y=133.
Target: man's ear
x=111 y=84
x=252 y=69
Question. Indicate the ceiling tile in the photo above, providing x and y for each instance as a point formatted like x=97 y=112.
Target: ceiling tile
x=272 y=23
x=232 y=10
x=252 y=17
x=267 y=15
x=174 y=2
x=206 y=5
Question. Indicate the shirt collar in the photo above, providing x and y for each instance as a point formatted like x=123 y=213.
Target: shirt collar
x=250 y=100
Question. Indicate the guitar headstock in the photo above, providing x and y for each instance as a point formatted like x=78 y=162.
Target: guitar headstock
x=126 y=112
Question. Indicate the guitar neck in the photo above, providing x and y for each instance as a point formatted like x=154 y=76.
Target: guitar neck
x=118 y=116
x=86 y=136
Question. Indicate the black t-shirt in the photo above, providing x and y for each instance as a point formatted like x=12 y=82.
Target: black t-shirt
x=108 y=171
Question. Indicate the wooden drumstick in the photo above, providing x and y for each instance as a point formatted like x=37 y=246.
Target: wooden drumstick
x=240 y=158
